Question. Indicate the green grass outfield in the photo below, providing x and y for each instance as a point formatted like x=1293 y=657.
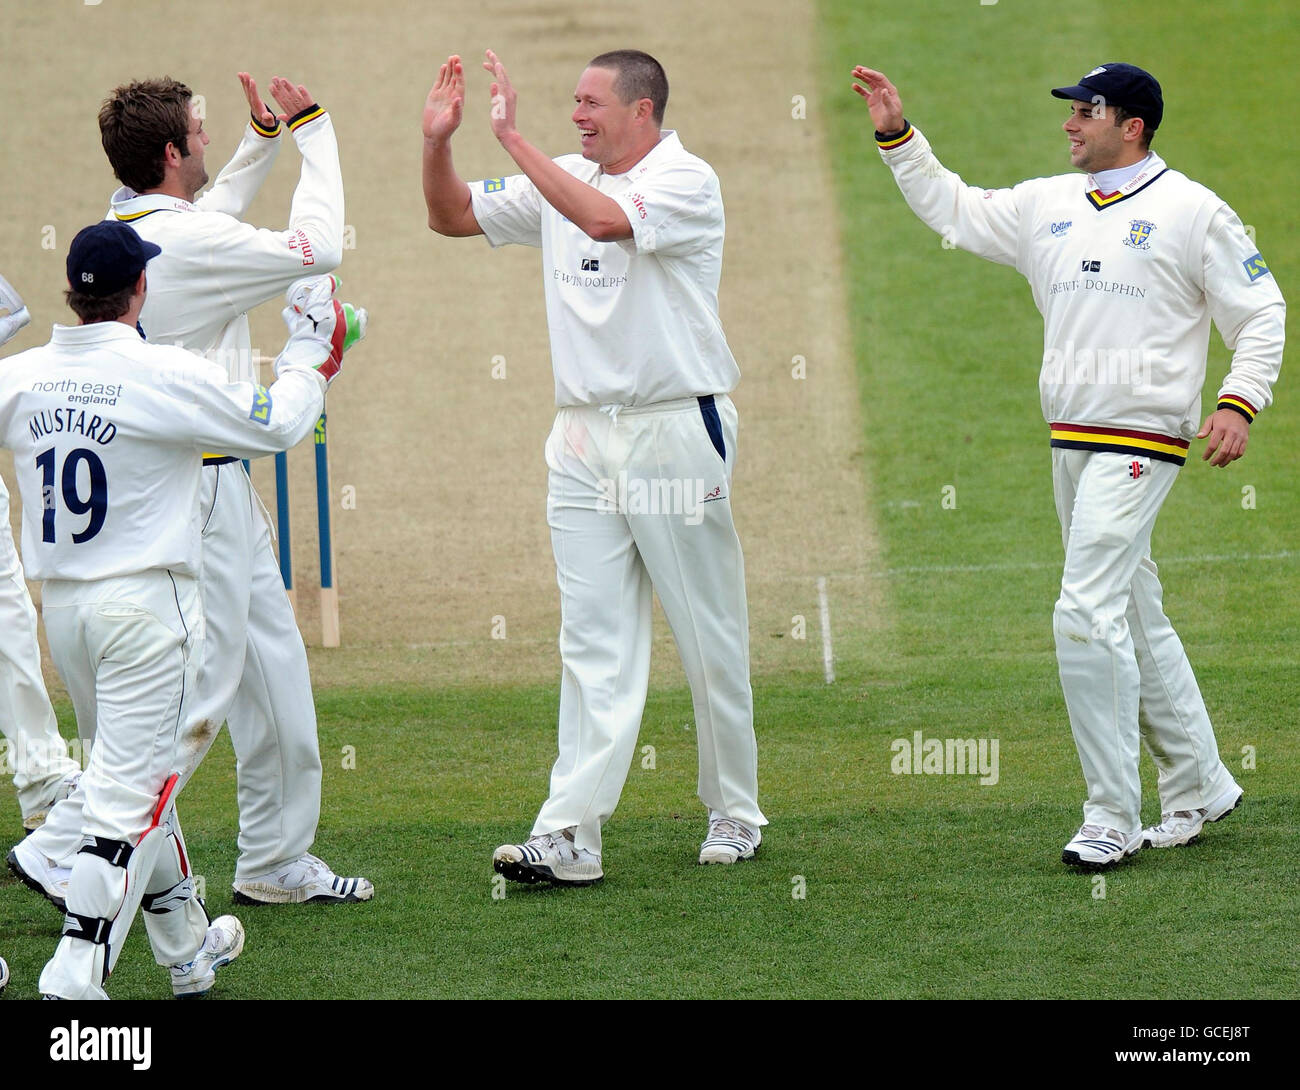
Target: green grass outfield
x=913 y=886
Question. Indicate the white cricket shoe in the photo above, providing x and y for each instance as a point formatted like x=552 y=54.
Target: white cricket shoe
x=1184 y=826
x=62 y=789
x=548 y=857
x=1098 y=848
x=729 y=841
x=305 y=879
x=40 y=873
x=221 y=945
x=4 y=976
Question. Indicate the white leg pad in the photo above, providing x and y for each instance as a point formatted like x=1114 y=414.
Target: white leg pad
x=173 y=916
x=108 y=881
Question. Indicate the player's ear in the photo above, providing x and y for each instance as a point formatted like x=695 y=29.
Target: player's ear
x=141 y=285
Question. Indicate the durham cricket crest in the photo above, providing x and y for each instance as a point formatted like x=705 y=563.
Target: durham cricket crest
x=1139 y=234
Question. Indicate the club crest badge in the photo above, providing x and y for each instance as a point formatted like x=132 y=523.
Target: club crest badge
x=1139 y=234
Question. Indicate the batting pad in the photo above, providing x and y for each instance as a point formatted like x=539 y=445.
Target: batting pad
x=173 y=916
x=108 y=882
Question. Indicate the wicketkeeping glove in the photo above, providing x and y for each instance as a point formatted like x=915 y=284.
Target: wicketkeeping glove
x=17 y=317
x=321 y=328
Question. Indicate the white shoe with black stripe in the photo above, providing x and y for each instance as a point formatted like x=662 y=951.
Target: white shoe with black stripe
x=548 y=857
x=1184 y=827
x=729 y=841
x=304 y=880
x=1098 y=848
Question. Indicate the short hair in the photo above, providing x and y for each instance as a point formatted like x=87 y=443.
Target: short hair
x=1122 y=115
x=137 y=122
x=100 y=308
x=638 y=76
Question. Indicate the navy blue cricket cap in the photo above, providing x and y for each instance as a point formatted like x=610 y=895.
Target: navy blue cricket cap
x=107 y=257
x=1124 y=85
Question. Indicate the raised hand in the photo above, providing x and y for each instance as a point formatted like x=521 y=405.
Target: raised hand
x=290 y=97
x=16 y=316
x=503 y=97
x=445 y=104
x=256 y=106
x=882 y=98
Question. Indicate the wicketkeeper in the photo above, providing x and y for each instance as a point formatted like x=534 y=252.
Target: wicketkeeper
x=108 y=433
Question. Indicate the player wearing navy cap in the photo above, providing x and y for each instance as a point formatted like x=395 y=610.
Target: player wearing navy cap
x=108 y=433
x=214 y=268
x=1128 y=263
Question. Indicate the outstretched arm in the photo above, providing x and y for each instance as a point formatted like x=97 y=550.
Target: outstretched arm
x=445 y=193
x=242 y=177
x=316 y=213
x=599 y=216
x=244 y=265
x=882 y=99
x=247 y=420
x=985 y=222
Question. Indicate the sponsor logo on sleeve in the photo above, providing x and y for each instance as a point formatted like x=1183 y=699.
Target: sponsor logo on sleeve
x=300 y=242
x=639 y=202
x=493 y=185
x=261 y=410
x=1255 y=267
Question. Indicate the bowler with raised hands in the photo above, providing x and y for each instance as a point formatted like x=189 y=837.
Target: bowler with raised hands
x=631 y=233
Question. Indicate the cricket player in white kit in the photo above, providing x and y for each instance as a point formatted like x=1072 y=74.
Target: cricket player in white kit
x=108 y=433
x=213 y=270
x=43 y=771
x=1128 y=263
x=643 y=446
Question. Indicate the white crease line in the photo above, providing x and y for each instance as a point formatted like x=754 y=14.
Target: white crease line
x=828 y=659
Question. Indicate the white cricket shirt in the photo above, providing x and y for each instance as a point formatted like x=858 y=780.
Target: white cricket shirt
x=107 y=433
x=1127 y=283
x=635 y=321
x=214 y=268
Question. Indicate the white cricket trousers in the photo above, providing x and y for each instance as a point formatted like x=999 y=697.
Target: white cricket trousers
x=253 y=675
x=125 y=648
x=1123 y=669
x=36 y=750
x=639 y=499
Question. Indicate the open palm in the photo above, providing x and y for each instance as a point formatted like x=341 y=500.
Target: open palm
x=446 y=101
